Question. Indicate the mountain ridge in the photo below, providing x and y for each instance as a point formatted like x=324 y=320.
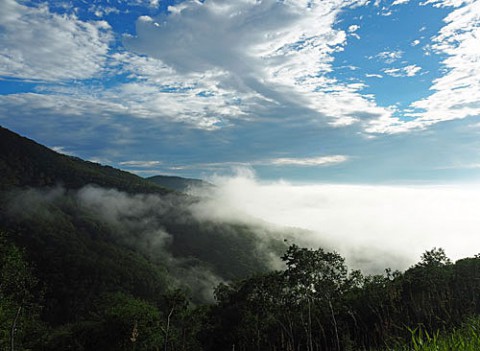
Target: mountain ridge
x=177 y=183
x=26 y=163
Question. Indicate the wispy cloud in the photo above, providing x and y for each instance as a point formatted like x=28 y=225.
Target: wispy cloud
x=319 y=161
x=457 y=93
x=146 y=164
x=282 y=58
x=407 y=71
x=400 y=2
x=415 y=42
x=205 y=65
x=373 y=75
x=352 y=30
x=389 y=56
x=309 y=161
x=66 y=48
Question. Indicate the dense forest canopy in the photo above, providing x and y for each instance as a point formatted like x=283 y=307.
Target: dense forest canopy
x=93 y=258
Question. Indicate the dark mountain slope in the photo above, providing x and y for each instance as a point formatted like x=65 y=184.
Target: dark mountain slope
x=178 y=183
x=24 y=162
x=121 y=234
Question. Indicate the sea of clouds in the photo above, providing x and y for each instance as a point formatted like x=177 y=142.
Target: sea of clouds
x=373 y=226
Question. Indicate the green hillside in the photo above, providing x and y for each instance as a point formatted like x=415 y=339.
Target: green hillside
x=93 y=258
x=178 y=183
x=88 y=232
x=24 y=162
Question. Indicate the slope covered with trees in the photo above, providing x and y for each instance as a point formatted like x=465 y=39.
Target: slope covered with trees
x=25 y=163
x=91 y=235
x=317 y=304
x=178 y=183
x=93 y=258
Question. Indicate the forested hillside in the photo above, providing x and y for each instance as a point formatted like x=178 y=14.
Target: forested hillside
x=83 y=232
x=24 y=163
x=178 y=183
x=93 y=258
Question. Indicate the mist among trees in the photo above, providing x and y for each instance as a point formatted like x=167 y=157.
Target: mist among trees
x=92 y=258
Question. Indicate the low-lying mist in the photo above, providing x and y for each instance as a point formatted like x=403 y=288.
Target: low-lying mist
x=374 y=227
x=244 y=224
x=170 y=230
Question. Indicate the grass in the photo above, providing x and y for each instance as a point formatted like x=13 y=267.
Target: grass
x=465 y=338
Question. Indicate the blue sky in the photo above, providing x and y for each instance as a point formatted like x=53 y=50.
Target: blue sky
x=307 y=91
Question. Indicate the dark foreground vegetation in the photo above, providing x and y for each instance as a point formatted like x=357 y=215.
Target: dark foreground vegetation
x=314 y=304
x=93 y=258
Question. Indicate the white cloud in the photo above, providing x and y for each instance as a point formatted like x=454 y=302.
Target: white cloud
x=256 y=57
x=54 y=105
x=39 y=45
x=456 y=94
x=309 y=161
x=319 y=161
x=101 y=11
x=373 y=75
x=373 y=226
x=390 y=56
x=203 y=64
x=407 y=71
x=154 y=3
x=59 y=149
x=352 y=31
x=400 y=2
x=146 y=164
x=353 y=28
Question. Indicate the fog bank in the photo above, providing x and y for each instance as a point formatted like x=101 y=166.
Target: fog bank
x=372 y=226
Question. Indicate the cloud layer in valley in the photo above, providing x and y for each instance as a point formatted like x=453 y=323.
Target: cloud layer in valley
x=373 y=226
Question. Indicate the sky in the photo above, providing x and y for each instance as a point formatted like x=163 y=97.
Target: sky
x=337 y=91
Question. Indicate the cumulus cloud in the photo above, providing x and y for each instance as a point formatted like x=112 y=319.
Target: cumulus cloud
x=252 y=56
x=373 y=226
x=205 y=65
x=36 y=44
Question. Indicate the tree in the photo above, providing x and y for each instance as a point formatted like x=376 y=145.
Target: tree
x=318 y=279
x=18 y=305
x=434 y=258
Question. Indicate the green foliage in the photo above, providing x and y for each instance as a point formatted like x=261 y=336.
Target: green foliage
x=464 y=338
x=74 y=277
x=24 y=163
x=434 y=258
x=20 y=298
x=178 y=183
x=129 y=322
x=316 y=304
